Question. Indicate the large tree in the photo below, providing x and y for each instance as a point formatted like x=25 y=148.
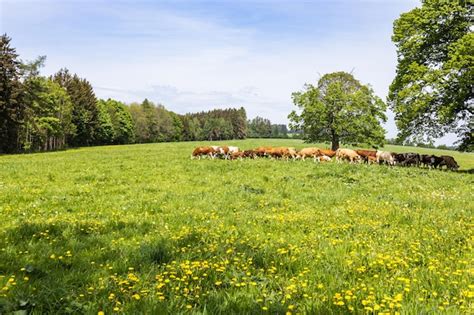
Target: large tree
x=339 y=109
x=48 y=116
x=85 y=114
x=12 y=108
x=432 y=93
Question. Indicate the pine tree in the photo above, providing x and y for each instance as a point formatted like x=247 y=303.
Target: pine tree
x=11 y=106
x=85 y=114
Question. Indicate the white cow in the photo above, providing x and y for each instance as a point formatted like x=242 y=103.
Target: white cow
x=385 y=157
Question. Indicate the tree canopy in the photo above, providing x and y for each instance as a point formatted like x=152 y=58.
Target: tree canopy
x=339 y=109
x=12 y=108
x=432 y=93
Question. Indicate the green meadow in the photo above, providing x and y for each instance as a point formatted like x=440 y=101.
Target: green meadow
x=140 y=229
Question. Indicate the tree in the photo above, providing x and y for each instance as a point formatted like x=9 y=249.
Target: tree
x=121 y=121
x=105 y=133
x=85 y=114
x=217 y=129
x=339 y=109
x=48 y=117
x=12 y=108
x=260 y=128
x=139 y=123
x=432 y=92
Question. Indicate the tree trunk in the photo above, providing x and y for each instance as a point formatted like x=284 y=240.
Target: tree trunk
x=334 y=141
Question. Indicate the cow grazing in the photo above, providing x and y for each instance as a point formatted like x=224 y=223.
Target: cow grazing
x=327 y=152
x=385 y=157
x=411 y=159
x=371 y=160
x=449 y=162
x=262 y=151
x=323 y=158
x=249 y=153
x=236 y=155
x=426 y=160
x=347 y=154
x=198 y=152
x=364 y=154
x=311 y=152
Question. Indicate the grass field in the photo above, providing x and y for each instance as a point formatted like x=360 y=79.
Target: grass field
x=144 y=229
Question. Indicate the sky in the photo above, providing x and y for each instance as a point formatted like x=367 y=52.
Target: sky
x=198 y=55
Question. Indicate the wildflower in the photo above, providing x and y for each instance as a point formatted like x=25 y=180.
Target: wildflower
x=136 y=296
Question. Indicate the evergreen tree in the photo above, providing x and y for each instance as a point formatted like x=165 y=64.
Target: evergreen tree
x=48 y=118
x=85 y=114
x=12 y=108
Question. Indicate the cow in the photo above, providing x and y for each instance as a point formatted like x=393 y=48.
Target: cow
x=411 y=159
x=371 y=160
x=236 y=155
x=426 y=160
x=327 y=152
x=347 y=154
x=312 y=152
x=398 y=158
x=385 y=157
x=249 y=153
x=364 y=154
x=198 y=152
x=449 y=162
x=262 y=151
x=234 y=149
x=323 y=158
x=407 y=159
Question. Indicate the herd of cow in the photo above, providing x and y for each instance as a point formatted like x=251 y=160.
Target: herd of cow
x=322 y=155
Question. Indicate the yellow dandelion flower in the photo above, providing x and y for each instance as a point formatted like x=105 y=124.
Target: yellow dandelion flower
x=136 y=296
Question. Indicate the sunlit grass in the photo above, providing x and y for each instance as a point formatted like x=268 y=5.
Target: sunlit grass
x=145 y=229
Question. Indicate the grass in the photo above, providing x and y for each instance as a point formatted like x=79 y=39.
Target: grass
x=144 y=229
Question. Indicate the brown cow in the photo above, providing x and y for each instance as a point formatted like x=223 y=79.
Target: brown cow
x=203 y=151
x=262 y=151
x=365 y=154
x=237 y=155
x=327 y=152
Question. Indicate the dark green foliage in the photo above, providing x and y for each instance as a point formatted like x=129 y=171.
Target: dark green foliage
x=105 y=130
x=115 y=123
x=263 y=128
x=48 y=117
x=12 y=108
x=432 y=93
x=85 y=114
x=339 y=109
x=217 y=124
x=260 y=128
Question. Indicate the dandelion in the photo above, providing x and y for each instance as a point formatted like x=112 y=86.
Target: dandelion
x=136 y=296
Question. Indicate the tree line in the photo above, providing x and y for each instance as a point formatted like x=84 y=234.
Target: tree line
x=39 y=113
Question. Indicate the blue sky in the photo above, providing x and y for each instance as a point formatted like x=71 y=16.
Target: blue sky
x=198 y=55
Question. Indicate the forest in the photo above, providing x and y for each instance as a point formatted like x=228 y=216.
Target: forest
x=40 y=113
